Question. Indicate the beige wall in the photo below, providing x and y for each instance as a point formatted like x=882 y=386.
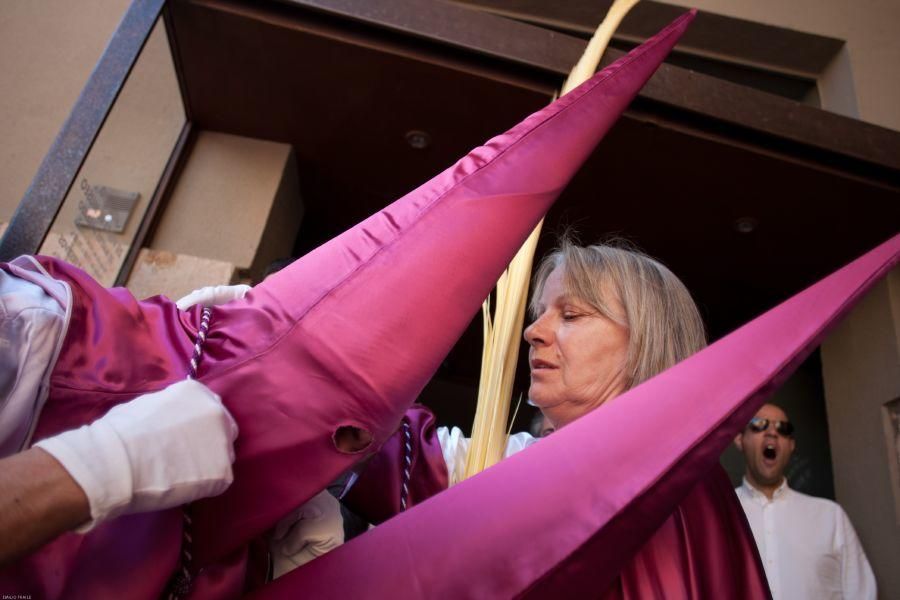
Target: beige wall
x=870 y=28
x=861 y=370
x=237 y=201
x=47 y=50
x=130 y=154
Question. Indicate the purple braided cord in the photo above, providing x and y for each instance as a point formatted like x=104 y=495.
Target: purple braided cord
x=181 y=582
x=198 y=344
x=407 y=464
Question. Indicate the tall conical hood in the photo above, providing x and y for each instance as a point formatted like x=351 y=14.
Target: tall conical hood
x=346 y=336
x=566 y=514
x=350 y=334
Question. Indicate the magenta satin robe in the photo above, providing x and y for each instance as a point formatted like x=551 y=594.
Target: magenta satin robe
x=704 y=549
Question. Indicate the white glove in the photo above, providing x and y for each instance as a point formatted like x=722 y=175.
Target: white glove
x=213 y=295
x=312 y=530
x=158 y=451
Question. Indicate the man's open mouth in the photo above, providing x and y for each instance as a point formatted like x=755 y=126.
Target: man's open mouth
x=769 y=452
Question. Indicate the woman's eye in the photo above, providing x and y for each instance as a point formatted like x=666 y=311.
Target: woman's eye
x=570 y=316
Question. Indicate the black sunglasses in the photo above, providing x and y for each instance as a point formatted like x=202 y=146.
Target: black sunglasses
x=758 y=424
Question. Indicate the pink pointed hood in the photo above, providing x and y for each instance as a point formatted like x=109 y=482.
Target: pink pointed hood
x=565 y=515
x=347 y=336
x=350 y=334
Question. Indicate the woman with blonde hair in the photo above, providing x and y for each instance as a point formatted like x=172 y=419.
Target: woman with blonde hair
x=606 y=318
x=624 y=313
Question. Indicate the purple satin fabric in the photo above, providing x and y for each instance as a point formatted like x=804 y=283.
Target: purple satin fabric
x=568 y=514
x=376 y=494
x=346 y=336
x=99 y=366
x=116 y=348
x=704 y=549
x=136 y=553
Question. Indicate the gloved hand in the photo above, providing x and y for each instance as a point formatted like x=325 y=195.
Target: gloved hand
x=312 y=530
x=158 y=451
x=213 y=295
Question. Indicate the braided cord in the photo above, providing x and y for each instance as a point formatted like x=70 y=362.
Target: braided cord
x=407 y=464
x=180 y=585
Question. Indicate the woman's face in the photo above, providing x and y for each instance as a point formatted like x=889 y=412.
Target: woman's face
x=577 y=356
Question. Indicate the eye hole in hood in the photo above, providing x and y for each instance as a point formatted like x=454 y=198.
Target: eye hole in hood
x=350 y=439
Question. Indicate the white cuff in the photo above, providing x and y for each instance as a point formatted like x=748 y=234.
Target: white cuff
x=97 y=460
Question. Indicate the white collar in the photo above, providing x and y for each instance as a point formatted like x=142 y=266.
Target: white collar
x=760 y=497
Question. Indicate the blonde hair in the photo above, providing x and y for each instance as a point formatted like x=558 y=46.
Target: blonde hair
x=664 y=325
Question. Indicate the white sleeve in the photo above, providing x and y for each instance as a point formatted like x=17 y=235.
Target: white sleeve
x=518 y=442
x=32 y=326
x=455 y=448
x=857 y=578
x=213 y=295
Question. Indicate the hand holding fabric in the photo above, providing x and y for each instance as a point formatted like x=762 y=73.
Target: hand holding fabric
x=158 y=451
x=213 y=295
x=307 y=532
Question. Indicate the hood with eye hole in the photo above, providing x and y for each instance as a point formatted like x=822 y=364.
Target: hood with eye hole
x=769 y=451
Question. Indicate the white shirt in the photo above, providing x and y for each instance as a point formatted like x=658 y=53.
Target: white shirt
x=808 y=546
x=455 y=448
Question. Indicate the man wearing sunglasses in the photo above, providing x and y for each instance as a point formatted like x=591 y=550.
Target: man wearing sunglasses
x=808 y=547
